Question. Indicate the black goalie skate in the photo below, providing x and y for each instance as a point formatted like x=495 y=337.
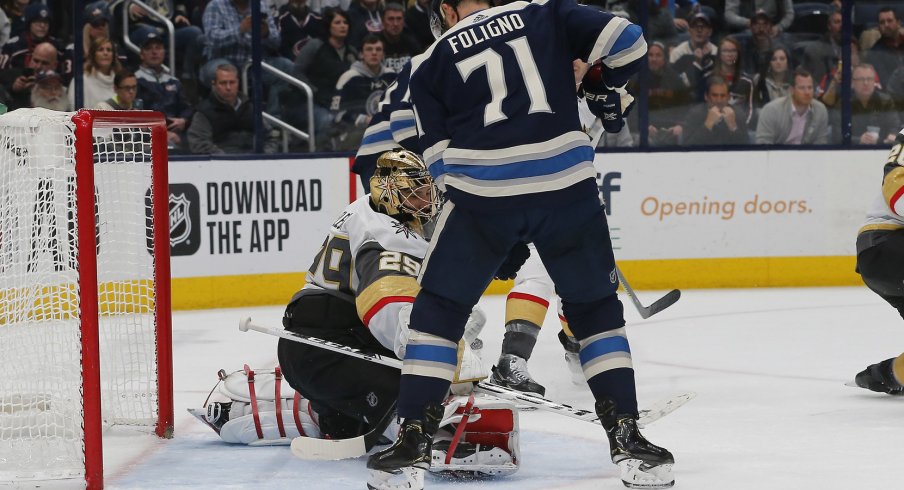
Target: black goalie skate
x=642 y=463
x=511 y=372
x=402 y=465
x=880 y=378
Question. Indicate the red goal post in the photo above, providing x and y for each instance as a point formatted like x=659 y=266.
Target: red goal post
x=85 y=287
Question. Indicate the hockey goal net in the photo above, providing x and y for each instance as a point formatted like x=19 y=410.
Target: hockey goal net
x=84 y=288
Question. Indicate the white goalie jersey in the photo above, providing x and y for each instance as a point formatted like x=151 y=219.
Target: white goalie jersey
x=376 y=260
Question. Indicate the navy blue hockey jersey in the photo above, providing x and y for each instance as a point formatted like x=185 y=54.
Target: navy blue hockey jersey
x=494 y=97
x=391 y=127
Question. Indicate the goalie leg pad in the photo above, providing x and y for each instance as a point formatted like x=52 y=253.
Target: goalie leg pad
x=637 y=474
x=488 y=443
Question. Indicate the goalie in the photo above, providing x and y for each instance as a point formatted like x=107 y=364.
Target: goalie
x=359 y=291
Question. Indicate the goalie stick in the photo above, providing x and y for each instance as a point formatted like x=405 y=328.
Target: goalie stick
x=355 y=445
x=660 y=304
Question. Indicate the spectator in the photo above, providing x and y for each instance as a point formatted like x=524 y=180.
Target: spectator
x=740 y=84
x=870 y=36
x=19 y=82
x=189 y=39
x=661 y=25
x=101 y=65
x=762 y=41
x=5 y=25
x=125 y=97
x=888 y=52
x=161 y=91
x=97 y=26
x=321 y=63
x=874 y=119
x=794 y=119
x=668 y=98
x=821 y=56
x=224 y=121
x=321 y=6
x=15 y=12
x=398 y=46
x=358 y=91
x=828 y=90
x=49 y=93
x=417 y=23
x=740 y=14
x=776 y=81
x=364 y=17
x=228 y=27
x=16 y=53
x=715 y=121
x=695 y=58
x=895 y=88
x=297 y=25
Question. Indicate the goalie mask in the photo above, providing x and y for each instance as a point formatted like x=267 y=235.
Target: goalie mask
x=402 y=188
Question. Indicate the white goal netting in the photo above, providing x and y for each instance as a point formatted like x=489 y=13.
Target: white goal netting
x=41 y=332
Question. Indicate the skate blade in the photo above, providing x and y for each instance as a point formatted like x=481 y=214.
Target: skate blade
x=407 y=478
x=637 y=474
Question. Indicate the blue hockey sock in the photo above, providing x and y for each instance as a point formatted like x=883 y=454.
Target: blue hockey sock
x=427 y=372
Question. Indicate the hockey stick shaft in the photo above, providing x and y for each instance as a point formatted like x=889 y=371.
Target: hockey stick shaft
x=482 y=387
x=660 y=304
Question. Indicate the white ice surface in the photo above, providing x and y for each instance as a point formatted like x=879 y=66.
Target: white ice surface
x=768 y=365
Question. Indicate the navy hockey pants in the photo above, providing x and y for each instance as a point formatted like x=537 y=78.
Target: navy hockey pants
x=468 y=247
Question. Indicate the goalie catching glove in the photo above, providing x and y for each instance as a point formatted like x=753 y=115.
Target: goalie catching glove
x=611 y=104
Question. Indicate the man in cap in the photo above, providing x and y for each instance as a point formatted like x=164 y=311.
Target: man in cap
x=740 y=15
x=764 y=38
x=695 y=58
x=161 y=91
x=16 y=53
x=189 y=38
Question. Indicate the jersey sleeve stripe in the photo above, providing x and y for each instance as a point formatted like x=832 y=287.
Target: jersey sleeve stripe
x=625 y=57
x=385 y=290
x=607 y=39
x=893 y=189
x=435 y=152
x=381 y=303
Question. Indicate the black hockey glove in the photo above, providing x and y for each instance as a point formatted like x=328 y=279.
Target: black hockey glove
x=517 y=256
x=611 y=105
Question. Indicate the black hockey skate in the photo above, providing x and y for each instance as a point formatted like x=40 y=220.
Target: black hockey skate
x=880 y=378
x=642 y=463
x=402 y=465
x=511 y=372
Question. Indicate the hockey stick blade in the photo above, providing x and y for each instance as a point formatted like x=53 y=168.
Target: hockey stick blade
x=311 y=448
x=647 y=311
x=663 y=407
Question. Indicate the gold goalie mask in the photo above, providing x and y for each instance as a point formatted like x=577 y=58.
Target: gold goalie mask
x=402 y=188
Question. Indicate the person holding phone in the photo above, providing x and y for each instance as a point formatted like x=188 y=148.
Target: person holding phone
x=19 y=82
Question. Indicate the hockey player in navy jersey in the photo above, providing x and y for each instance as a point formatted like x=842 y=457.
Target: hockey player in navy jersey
x=390 y=128
x=498 y=124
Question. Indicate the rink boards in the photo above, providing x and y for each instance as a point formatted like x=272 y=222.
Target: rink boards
x=243 y=232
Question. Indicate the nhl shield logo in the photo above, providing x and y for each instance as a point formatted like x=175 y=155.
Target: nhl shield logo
x=184 y=219
x=180 y=222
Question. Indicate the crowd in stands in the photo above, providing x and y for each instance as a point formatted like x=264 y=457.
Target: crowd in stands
x=730 y=72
